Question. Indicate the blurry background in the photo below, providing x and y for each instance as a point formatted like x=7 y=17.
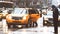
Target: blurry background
x=34 y=4
x=31 y=3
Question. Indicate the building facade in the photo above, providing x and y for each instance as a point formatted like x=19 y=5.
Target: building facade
x=30 y=3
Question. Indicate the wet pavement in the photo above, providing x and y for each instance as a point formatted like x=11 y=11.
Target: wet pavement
x=1 y=28
x=40 y=29
x=34 y=30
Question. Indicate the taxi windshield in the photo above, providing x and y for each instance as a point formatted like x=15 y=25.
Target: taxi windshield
x=19 y=11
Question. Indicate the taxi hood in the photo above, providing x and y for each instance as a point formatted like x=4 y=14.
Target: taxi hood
x=18 y=15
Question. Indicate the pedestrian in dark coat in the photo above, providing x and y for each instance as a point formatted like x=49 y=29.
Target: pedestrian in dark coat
x=55 y=18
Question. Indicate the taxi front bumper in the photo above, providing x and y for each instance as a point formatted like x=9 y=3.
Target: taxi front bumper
x=17 y=22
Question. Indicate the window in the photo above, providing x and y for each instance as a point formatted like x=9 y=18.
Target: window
x=33 y=11
x=19 y=11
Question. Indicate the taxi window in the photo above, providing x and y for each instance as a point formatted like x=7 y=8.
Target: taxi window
x=19 y=11
x=31 y=11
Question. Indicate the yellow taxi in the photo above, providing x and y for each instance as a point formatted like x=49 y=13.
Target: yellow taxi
x=23 y=16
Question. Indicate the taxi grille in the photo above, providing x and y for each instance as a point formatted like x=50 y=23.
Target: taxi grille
x=16 y=18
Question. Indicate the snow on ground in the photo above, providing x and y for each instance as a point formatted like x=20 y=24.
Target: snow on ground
x=36 y=30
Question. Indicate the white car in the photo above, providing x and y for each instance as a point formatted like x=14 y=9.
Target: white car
x=48 y=19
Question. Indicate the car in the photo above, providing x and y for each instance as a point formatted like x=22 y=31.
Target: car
x=5 y=7
x=23 y=17
x=48 y=19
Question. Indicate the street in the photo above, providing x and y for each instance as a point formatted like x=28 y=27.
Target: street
x=33 y=30
x=14 y=14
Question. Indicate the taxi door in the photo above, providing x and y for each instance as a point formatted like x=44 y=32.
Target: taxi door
x=34 y=15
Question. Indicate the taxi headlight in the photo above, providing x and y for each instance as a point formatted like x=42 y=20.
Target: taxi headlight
x=45 y=22
x=19 y=26
x=24 y=17
x=4 y=14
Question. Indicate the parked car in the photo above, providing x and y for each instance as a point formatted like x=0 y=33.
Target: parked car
x=23 y=17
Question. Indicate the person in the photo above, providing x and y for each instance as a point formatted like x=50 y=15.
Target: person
x=59 y=6
x=55 y=18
